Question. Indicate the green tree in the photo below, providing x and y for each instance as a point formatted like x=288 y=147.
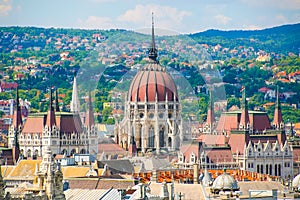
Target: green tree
x=231 y=101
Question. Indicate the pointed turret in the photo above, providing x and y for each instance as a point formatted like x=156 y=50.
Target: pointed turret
x=277 y=113
x=15 y=130
x=153 y=51
x=89 y=118
x=50 y=122
x=240 y=138
x=244 y=121
x=75 y=106
x=56 y=101
x=210 y=111
x=17 y=118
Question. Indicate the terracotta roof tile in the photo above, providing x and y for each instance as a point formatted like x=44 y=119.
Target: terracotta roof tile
x=219 y=155
x=188 y=149
x=213 y=139
x=34 y=124
x=67 y=122
x=230 y=121
x=111 y=148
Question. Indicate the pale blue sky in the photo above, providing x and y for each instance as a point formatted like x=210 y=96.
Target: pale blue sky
x=182 y=16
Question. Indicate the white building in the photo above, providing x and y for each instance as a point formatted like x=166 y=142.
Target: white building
x=63 y=132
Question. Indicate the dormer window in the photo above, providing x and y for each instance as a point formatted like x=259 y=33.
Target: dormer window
x=180 y=158
x=192 y=160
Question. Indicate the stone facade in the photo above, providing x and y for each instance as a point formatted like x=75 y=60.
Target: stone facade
x=269 y=158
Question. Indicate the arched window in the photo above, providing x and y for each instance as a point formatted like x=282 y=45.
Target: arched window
x=36 y=153
x=267 y=169
x=64 y=152
x=279 y=170
x=151 y=137
x=169 y=142
x=28 y=153
x=73 y=152
x=82 y=151
x=162 y=137
x=261 y=169
x=275 y=169
x=257 y=168
x=270 y=171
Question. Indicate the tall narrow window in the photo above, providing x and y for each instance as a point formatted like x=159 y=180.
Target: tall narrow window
x=151 y=137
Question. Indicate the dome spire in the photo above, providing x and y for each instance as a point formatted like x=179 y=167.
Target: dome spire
x=152 y=51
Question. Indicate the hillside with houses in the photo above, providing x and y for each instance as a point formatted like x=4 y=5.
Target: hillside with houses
x=36 y=59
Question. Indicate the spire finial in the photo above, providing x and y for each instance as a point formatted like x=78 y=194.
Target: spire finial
x=152 y=51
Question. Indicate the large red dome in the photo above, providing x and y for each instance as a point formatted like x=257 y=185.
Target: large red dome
x=151 y=80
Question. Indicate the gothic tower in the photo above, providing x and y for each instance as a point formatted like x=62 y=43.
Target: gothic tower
x=91 y=129
x=50 y=130
x=277 y=122
x=15 y=129
x=210 y=120
x=240 y=138
x=75 y=106
x=244 y=120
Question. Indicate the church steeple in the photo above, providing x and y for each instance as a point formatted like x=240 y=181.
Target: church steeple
x=15 y=129
x=51 y=113
x=89 y=118
x=277 y=113
x=153 y=51
x=17 y=118
x=244 y=121
x=75 y=106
